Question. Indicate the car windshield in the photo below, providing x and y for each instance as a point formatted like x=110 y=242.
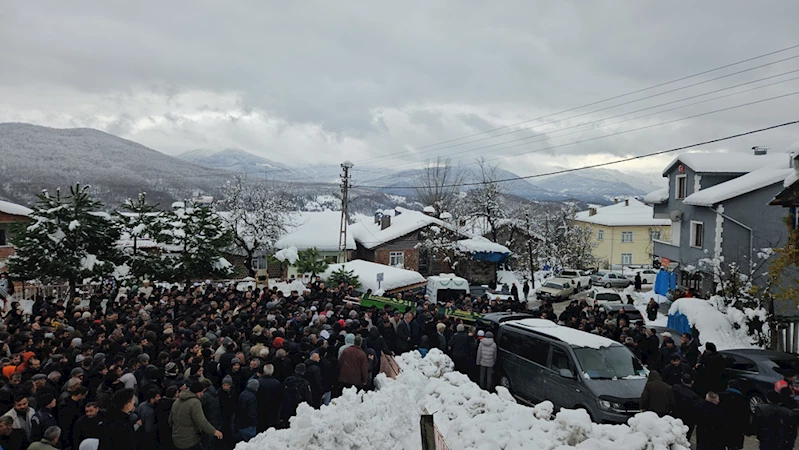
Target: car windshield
x=608 y=362
x=552 y=285
x=607 y=296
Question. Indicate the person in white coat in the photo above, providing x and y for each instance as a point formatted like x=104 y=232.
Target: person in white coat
x=486 y=358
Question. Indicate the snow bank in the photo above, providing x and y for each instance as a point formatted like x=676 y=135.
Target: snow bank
x=468 y=417
x=286 y=288
x=713 y=325
x=393 y=277
x=288 y=254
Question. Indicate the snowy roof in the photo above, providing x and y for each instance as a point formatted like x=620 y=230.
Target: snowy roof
x=752 y=181
x=657 y=197
x=568 y=335
x=14 y=209
x=631 y=213
x=791 y=179
x=393 y=277
x=479 y=244
x=403 y=221
x=730 y=162
x=319 y=229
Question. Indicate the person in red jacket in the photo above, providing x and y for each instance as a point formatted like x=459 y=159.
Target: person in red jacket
x=788 y=380
x=353 y=366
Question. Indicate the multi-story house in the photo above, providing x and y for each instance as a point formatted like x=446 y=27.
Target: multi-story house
x=10 y=213
x=623 y=233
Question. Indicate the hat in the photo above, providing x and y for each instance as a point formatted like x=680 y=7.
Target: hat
x=45 y=399
x=300 y=369
x=79 y=358
x=252 y=385
x=324 y=334
x=207 y=281
x=39 y=376
x=171 y=368
x=490 y=335
x=313 y=308
x=197 y=387
x=76 y=371
x=666 y=334
x=481 y=333
x=235 y=361
x=278 y=342
x=206 y=382
x=227 y=380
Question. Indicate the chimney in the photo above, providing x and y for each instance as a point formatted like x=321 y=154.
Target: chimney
x=377 y=218
x=385 y=222
x=615 y=201
x=626 y=202
x=759 y=150
x=591 y=212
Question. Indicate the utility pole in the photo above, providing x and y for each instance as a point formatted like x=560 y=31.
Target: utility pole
x=530 y=247
x=345 y=187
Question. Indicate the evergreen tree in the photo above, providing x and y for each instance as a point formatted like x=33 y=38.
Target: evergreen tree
x=67 y=240
x=344 y=276
x=192 y=237
x=311 y=261
x=140 y=220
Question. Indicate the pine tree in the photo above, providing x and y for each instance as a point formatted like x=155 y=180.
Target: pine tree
x=192 y=238
x=67 y=241
x=344 y=276
x=140 y=220
x=311 y=261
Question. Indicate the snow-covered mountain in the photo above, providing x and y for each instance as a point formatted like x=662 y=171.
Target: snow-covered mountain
x=600 y=185
x=234 y=160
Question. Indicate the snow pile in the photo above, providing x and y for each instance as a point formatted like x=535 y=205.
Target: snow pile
x=467 y=416
x=286 y=288
x=713 y=325
x=289 y=254
x=393 y=277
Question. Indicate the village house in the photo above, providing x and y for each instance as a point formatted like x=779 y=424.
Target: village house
x=316 y=229
x=623 y=233
x=10 y=214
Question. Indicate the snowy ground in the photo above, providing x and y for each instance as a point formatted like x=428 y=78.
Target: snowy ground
x=468 y=417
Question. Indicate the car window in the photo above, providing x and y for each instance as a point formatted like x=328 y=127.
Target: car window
x=743 y=364
x=608 y=296
x=510 y=341
x=791 y=363
x=535 y=350
x=560 y=360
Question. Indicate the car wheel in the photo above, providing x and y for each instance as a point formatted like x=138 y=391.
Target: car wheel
x=754 y=400
x=504 y=381
x=608 y=285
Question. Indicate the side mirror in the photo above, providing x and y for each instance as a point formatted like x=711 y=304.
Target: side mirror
x=566 y=373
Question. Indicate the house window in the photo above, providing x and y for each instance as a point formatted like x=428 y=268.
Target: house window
x=259 y=263
x=654 y=235
x=681 y=186
x=600 y=235
x=697 y=234
x=626 y=258
x=331 y=259
x=626 y=236
x=396 y=259
x=3 y=237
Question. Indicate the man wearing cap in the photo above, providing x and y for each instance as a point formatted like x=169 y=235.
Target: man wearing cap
x=188 y=421
x=247 y=411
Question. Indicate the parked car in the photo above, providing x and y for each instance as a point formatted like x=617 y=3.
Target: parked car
x=610 y=279
x=539 y=360
x=555 y=289
x=647 y=275
x=492 y=321
x=758 y=370
x=613 y=310
x=581 y=278
x=603 y=296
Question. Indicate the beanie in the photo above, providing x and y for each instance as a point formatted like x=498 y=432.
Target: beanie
x=45 y=400
x=300 y=369
x=278 y=342
x=252 y=385
x=197 y=387
x=227 y=380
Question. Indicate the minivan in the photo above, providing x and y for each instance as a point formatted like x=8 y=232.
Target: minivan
x=539 y=360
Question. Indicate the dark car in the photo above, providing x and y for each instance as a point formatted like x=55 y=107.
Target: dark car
x=490 y=322
x=613 y=311
x=758 y=370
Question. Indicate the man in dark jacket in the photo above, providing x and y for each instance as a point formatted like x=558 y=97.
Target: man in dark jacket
x=672 y=373
x=212 y=409
x=70 y=409
x=685 y=401
x=460 y=349
x=117 y=432
x=353 y=366
x=418 y=328
x=737 y=415
x=45 y=417
x=710 y=426
x=774 y=424
x=313 y=374
x=664 y=353
x=247 y=411
x=88 y=426
x=11 y=439
x=147 y=434
x=690 y=349
x=270 y=398
x=657 y=395
x=404 y=334
x=162 y=411
x=297 y=390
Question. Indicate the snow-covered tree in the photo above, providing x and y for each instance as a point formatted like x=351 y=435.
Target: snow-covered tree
x=344 y=276
x=486 y=200
x=311 y=261
x=438 y=185
x=566 y=243
x=140 y=221
x=258 y=214
x=192 y=238
x=67 y=240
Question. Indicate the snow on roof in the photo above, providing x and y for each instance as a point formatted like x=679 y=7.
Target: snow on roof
x=429 y=210
x=713 y=325
x=479 y=244
x=729 y=162
x=319 y=229
x=625 y=213
x=403 y=221
x=568 y=335
x=657 y=197
x=14 y=209
x=791 y=179
x=393 y=277
x=744 y=184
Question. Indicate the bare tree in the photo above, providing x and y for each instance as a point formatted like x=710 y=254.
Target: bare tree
x=438 y=185
x=486 y=201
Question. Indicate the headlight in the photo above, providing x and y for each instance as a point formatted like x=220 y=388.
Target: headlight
x=606 y=405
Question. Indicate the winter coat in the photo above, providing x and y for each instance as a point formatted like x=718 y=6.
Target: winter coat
x=691 y=352
x=775 y=426
x=487 y=352
x=283 y=368
x=652 y=311
x=247 y=410
x=417 y=329
x=657 y=395
x=440 y=342
x=148 y=431
x=637 y=281
x=212 y=408
x=162 y=411
x=15 y=441
x=737 y=415
x=313 y=374
x=711 y=375
x=42 y=445
x=403 y=337
x=353 y=367
x=188 y=420
x=297 y=391
x=117 y=432
x=87 y=428
x=376 y=342
x=459 y=346
x=44 y=419
x=24 y=422
x=673 y=374
x=68 y=413
x=685 y=401
x=710 y=427
x=270 y=398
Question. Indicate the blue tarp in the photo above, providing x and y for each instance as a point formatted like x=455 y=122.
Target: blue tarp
x=679 y=322
x=672 y=281
x=662 y=282
x=494 y=257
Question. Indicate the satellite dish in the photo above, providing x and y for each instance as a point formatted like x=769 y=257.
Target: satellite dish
x=676 y=215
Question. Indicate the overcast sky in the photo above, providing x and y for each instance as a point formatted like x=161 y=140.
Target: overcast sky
x=320 y=82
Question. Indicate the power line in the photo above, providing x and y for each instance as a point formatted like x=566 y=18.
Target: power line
x=547 y=136
x=618 y=161
x=404 y=153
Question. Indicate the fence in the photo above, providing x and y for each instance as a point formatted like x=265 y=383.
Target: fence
x=787 y=338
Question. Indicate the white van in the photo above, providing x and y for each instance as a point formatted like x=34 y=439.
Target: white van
x=445 y=287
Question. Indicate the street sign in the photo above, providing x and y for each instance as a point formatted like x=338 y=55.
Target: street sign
x=379 y=279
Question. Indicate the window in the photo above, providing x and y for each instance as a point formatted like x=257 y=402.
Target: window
x=331 y=259
x=681 y=186
x=742 y=364
x=626 y=236
x=654 y=235
x=560 y=360
x=626 y=258
x=697 y=234
x=259 y=263
x=535 y=350
x=3 y=237
x=600 y=235
x=396 y=259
